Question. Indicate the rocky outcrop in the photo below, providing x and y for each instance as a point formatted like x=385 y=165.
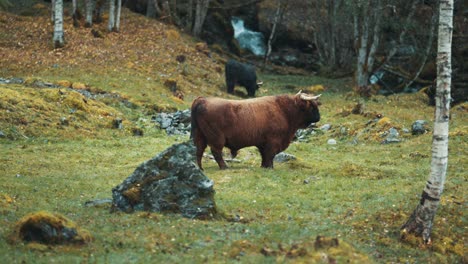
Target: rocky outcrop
x=177 y=123
x=169 y=183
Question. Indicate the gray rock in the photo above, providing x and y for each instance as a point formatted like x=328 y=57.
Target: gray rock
x=392 y=136
x=325 y=127
x=177 y=123
x=11 y=81
x=303 y=135
x=170 y=182
x=331 y=141
x=419 y=127
x=284 y=157
x=164 y=120
x=2 y=135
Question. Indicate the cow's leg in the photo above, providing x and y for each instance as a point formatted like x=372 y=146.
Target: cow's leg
x=251 y=91
x=268 y=154
x=233 y=153
x=230 y=85
x=218 y=155
x=200 y=144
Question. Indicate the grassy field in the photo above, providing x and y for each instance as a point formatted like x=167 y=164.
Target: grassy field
x=358 y=191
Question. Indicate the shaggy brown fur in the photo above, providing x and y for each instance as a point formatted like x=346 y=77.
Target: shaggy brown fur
x=269 y=123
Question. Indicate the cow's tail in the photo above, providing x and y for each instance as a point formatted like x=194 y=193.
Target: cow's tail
x=195 y=110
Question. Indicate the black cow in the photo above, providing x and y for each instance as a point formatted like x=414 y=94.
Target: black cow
x=241 y=74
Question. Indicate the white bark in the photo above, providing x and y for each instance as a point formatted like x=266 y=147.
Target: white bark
x=89 y=13
x=200 y=14
x=58 y=38
x=111 y=24
x=73 y=7
x=421 y=220
x=115 y=7
x=376 y=37
x=273 y=31
x=75 y=14
x=362 y=29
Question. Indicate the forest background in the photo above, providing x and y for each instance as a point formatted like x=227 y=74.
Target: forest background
x=57 y=128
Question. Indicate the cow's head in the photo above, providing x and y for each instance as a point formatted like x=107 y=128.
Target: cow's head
x=309 y=105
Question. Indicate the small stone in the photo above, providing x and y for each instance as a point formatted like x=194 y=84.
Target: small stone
x=164 y=120
x=64 y=121
x=117 y=123
x=284 y=157
x=331 y=141
x=392 y=136
x=325 y=127
x=419 y=127
x=2 y=135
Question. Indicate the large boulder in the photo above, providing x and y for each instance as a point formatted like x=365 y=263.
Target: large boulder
x=170 y=182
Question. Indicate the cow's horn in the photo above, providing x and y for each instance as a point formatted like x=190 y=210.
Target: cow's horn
x=298 y=93
x=309 y=97
x=260 y=83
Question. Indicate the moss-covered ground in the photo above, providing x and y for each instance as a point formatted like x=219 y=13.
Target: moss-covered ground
x=60 y=150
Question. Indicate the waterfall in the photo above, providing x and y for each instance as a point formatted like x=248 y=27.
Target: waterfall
x=251 y=40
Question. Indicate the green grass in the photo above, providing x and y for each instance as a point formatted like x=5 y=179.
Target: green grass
x=359 y=191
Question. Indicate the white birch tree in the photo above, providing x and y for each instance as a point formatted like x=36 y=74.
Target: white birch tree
x=200 y=14
x=114 y=15
x=367 y=37
x=58 y=38
x=276 y=19
x=89 y=12
x=75 y=13
x=421 y=220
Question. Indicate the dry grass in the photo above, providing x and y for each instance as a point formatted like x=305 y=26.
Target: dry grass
x=358 y=191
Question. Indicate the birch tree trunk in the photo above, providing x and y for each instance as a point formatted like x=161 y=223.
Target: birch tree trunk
x=362 y=32
x=58 y=38
x=75 y=14
x=367 y=43
x=117 y=16
x=167 y=12
x=111 y=24
x=421 y=220
x=152 y=9
x=89 y=13
x=200 y=13
x=114 y=15
x=273 y=32
x=375 y=38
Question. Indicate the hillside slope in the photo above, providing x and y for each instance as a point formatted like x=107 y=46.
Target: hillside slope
x=145 y=54
x=148 y=65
